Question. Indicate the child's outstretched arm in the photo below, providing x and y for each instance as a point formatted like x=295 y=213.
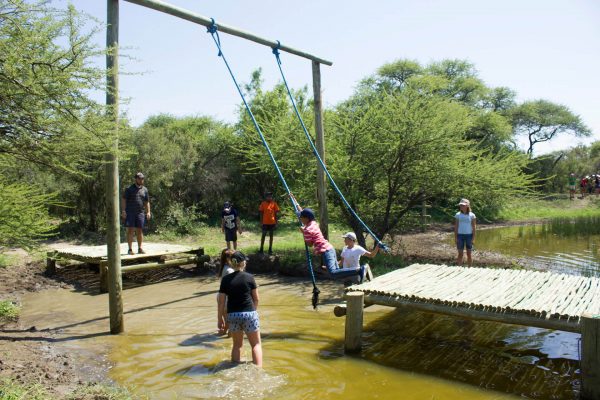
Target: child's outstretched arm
x=372 y=253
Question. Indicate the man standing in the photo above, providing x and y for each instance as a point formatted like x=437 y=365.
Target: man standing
x=137 y=210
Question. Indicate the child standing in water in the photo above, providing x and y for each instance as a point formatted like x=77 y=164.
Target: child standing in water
x=238 y=304
x=464 y=231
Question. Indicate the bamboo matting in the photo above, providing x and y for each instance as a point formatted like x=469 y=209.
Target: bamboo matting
x=543 y=295
x=99 y=253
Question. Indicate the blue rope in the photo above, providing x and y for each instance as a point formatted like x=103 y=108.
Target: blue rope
x=316 y=153
x=213 y=30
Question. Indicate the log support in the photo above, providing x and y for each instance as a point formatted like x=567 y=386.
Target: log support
x=590 y=357
x=354 y=321
x=103 y=268
x=50 y=263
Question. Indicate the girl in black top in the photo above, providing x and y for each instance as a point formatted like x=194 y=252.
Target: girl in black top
x=238 y=302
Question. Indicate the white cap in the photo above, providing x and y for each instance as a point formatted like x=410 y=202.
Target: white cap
x=349 y=235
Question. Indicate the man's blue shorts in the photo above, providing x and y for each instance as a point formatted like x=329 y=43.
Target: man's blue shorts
x=135 y=220
x=464 y=240
x=231 y=235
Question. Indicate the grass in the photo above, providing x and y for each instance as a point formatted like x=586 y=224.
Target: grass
x=532 y=209
x=9 y=311
x=12 y=390
x=6 y=261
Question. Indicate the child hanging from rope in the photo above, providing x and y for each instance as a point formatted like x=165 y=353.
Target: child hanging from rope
x=314 y=238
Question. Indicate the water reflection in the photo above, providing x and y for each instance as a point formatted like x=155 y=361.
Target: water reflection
x=562 y=245
x=534 y=363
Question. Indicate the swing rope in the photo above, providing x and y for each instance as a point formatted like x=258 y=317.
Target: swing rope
x=316 y=153
x=213 y=30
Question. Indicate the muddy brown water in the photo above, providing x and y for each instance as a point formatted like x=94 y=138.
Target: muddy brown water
x=170 y=349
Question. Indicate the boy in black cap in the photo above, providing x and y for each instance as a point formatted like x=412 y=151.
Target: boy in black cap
x=230 y=224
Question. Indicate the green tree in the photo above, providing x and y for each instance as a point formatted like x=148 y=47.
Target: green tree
x=46 y=75
x=541 y=120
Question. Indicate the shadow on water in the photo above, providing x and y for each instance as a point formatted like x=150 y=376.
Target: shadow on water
x=530 y=362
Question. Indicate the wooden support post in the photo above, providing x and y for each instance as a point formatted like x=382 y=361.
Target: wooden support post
x=50 y=263
x=113 y=240
x=199 y=258
x=590 y=357
x=354 y=321
x=103 y=269
x=320 y=144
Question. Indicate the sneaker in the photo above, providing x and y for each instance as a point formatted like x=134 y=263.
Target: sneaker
x=141 y=251
x=130 y=252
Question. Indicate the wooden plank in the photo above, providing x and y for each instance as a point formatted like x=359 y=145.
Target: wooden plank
x=160 y=264
x=590 y=356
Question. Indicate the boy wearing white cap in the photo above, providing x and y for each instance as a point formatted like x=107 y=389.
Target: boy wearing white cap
x=350 y=256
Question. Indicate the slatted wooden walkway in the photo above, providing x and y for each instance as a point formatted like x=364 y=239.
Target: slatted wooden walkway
x=533 y=298
x=543 y=299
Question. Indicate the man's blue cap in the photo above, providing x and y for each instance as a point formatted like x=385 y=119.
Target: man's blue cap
x=308 y=213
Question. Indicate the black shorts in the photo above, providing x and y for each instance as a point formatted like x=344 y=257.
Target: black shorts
x=230 y=235
x=135 y=220
x=268 y=228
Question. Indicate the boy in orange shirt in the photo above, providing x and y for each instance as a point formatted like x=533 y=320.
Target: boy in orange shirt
x=269 y=211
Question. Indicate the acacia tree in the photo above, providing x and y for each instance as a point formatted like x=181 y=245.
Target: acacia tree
x=389 y=153
x=541 y=121
x=46 y=114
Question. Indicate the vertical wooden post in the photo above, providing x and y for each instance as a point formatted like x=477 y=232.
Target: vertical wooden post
x=354 y=321
x=320 y=143
x=103 y=269
x=113 y=240
x=199 y=258
x=590 y=357
x=50 y=263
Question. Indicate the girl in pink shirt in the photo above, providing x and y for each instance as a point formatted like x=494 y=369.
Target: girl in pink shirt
x=315 y=239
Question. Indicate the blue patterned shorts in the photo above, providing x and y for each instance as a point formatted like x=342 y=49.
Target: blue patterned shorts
x=243 y=321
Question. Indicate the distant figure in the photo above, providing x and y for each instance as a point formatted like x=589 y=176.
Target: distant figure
x=464 y=231
x=314 y=238
x=230 y=224
x=597 y=184
x=238 y=305
x=137 y=210
x=583 y=186
x=572 y=183
x=269 y=211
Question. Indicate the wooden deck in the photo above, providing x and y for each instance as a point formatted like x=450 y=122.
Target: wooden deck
x=157 y=255
x=533 y=298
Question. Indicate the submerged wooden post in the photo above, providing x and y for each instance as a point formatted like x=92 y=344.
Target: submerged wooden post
x=113 y=239
x=354 y=321
x=590 y=357
x=320 y=144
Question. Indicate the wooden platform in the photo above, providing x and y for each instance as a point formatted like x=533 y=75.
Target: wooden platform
x=533 y=298
x=157 y=255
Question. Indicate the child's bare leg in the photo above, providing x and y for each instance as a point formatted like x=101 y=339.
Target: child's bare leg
x=238 y=342
x=262 y=241
x=228 y=245
x=459 y=259
x=469 y=260
x=234 y=245
x=270 y=242
x=254 y=339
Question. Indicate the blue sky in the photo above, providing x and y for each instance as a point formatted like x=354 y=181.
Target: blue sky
x=542 y=49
